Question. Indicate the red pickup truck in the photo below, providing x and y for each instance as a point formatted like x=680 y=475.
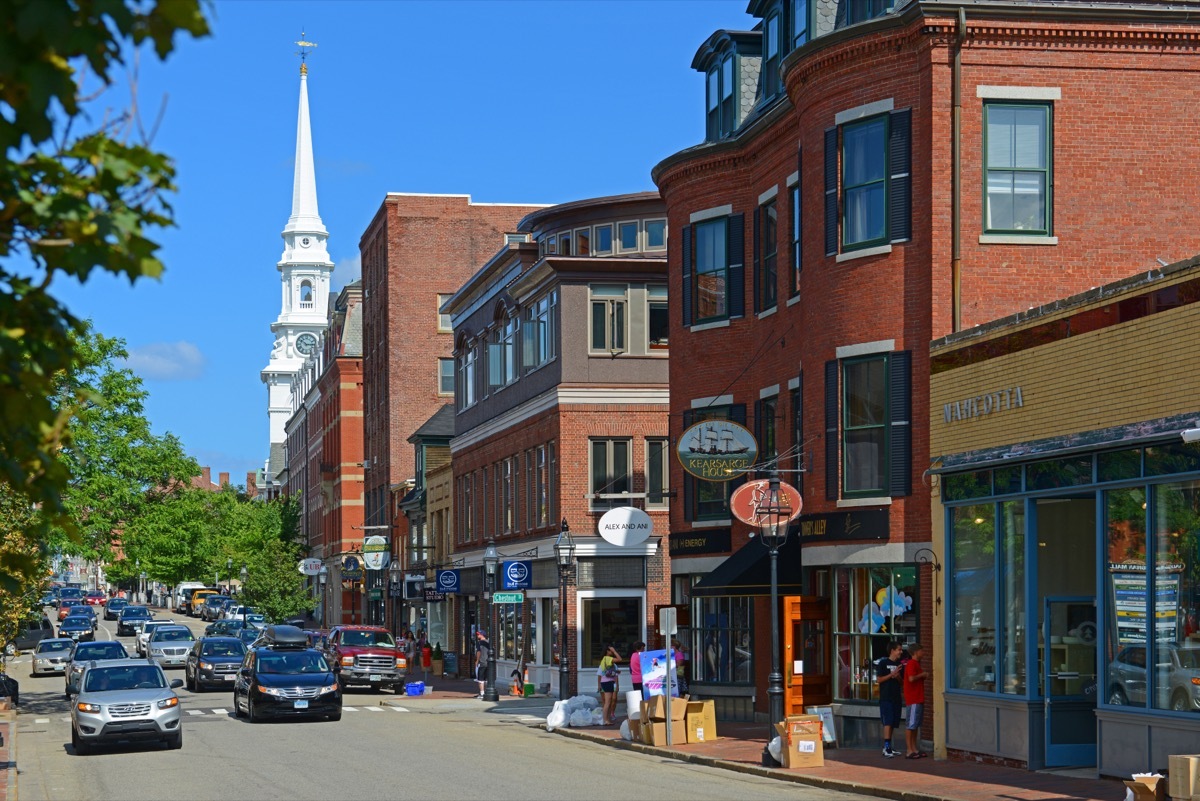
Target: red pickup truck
x=365 y=656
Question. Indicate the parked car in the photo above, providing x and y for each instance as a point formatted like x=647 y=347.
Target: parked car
x=223 y=628
x=211 y=608
x=112 y=609
x=95 y=598
x=125 y=700
x=131 y=619
x=34 y=631
x=169 y=645
x=51 y=656
x=283 y=677
x=77 y=628
x=143 y=634
x=85 y=652
x=1178 y=678
x=365 y=656
x=213 y=662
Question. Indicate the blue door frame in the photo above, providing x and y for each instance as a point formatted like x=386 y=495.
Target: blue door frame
x=1070 y=685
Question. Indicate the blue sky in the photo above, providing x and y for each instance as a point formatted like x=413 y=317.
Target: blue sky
x=509 y=102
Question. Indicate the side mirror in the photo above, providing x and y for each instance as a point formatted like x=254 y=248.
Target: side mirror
x=176 y=684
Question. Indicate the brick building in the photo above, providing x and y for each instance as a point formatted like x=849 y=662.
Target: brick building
x=416 y=252
x=561 y=397
x=873 y=179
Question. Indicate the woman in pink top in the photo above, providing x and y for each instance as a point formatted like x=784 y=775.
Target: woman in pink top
x=635 y=665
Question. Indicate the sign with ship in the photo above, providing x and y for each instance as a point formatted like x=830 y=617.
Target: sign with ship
x=717 y=450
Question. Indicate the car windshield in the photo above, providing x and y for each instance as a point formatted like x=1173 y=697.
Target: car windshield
x=304 y=662
x=131 y=677
x=78 y=610
x=135 y=611
x=247 y=635
x=230 y=648
x=77 y=620
x=173 y=635
x=367 y=638
x=117 y=602
x=100 y=650
x=49 y=646
x=251 y=617
x=1189 y=658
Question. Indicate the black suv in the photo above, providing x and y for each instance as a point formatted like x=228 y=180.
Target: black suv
x=282 y=676
x=130 y=618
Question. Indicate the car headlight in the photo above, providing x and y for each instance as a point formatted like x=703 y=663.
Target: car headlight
x=401 y=663
x=167 y=703
x=205 y=666
x=347 y=660
x=275 y=691
x=88 y=707
x=331 y=688
x=1196 y=680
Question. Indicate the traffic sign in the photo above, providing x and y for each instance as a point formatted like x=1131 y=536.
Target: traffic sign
x=508 y=597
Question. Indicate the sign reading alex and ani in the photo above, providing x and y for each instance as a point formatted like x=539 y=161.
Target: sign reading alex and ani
x=860 y=524
x=717 y=450
x=999 y=401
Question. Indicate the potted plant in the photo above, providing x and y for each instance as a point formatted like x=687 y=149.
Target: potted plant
x=438 y=659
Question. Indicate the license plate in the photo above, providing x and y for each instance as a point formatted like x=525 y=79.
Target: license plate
x=375 y=677
x=301 y=704
x=229 y=677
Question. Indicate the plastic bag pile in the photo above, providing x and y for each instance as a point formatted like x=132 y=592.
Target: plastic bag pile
x=577 y=712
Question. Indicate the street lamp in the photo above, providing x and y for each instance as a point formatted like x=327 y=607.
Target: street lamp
x=229 y=572
x=242 y=592
x=396 y=574
x=324 y=578
x=773 y=513
x=491 y=560
x=142 y=587
x=564 y=554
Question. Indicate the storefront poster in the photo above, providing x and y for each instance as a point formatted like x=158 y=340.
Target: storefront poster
x=655 y=665
x=1129 y=588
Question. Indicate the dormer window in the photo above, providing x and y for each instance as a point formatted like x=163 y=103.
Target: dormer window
x=770 y=65
x=721 y=118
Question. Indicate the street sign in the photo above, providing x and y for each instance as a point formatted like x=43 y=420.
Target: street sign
x=667 y=621
x=508 y=597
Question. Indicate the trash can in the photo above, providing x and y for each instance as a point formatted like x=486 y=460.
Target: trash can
x=414 y=688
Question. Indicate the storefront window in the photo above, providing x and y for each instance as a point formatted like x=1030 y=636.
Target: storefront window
x=1125 y=548
x=607 y=621
x=507 y=615
x=1176 y=651
x=973 y=593
x=1012 y=667
x=551 y=607
x=874 y=606
x=723 y=631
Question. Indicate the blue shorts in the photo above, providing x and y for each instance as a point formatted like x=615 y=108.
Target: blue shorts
x=889 y=713
x=915 y=714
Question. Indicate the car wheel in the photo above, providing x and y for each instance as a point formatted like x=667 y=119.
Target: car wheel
x=1117 y=697
x=176 y=742
x=250 y=710
x=237 y=709
x=1179 y=702
x=335 y=716
x=189 y=680
x=81 y=748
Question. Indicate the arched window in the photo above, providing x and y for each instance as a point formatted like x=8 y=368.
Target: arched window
x=306 y=295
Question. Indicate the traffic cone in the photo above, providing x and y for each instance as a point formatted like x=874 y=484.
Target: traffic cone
x=525 y=688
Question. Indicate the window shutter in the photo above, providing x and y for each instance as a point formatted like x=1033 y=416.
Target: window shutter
x=688 y=269
x=900 y=422
x=737 y=266
x=900 y=187
x=689 y=481
x=797 y=241
x=831 y=430
x=757 y=258
x=758 y=427
x=831 y=187
x=738 y=415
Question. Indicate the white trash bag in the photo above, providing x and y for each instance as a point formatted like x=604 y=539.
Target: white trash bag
x=581 y=718
x=558 y=717
x=582 y=702
x=597 y=717
x=775 y=749
x=625 y=733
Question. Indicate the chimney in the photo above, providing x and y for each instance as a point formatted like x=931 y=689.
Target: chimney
x=252 y=483
x=224 y=479
x=206 y=477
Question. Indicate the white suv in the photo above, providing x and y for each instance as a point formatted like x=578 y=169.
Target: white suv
x=143 y=635
x=126 y=699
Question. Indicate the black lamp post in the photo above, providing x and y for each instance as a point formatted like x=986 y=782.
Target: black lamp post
x=491 y=560
x=396 y=574
x=242 y=593
x=229 y=572
x=774 y=512
x=323 y=576
x=564 y=554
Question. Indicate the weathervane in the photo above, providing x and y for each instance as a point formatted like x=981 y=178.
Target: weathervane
x=303 y=52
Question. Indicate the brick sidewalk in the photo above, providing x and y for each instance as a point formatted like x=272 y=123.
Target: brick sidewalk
x=8 y=768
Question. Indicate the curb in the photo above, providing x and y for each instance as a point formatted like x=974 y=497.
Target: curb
x=9 y=718
x=753 y=770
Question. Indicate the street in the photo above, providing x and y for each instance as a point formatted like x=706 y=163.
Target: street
x=457 y=750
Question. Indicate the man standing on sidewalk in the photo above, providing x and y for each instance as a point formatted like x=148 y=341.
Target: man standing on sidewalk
x=483 y=650
x=889 y=674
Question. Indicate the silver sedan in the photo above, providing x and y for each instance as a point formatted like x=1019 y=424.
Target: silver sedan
x=52 y=656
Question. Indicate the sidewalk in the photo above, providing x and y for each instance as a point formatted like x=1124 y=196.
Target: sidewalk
x=8 y=765
x=866 y=772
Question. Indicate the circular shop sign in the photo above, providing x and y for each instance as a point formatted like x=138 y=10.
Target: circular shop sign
x=749 y=498
x=375 y=552
x=310 y=567
x=447 y=580
x=717 y=450
x=517 y=572
x=625 y=526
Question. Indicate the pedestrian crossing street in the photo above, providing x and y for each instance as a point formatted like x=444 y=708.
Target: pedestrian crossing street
x=218 y=711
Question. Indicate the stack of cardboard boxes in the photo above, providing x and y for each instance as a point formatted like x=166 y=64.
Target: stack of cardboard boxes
x=1183 y=773
x=800 y=738
x=690 y=722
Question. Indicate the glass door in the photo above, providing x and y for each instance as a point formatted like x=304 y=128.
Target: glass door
x=1068 y=655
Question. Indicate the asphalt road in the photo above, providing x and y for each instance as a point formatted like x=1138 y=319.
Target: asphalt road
x=457 y=751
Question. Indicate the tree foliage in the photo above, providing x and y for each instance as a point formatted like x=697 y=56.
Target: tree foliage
x=76 y=195
x=27 y=560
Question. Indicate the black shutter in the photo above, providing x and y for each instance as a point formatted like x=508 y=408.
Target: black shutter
x=757 y=258
x=737 y=265
x=689 y=481
x=831 y=192
x=798 y=431
x=738 y=415
x=758 y=427
x=797 y=236
x=900 y=186
x=685 y=252
x=900 y=423
x=831 y=430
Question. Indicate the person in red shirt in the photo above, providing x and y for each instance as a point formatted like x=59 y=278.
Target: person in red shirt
x=914 y=700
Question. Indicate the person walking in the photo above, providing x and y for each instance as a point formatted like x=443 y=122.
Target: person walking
x=889 y=675
x=635 y=665
x=483 y=652
x=677 y=653
x=914 y=700
x=607 y=680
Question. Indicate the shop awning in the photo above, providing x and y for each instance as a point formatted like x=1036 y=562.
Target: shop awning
x=747 y=571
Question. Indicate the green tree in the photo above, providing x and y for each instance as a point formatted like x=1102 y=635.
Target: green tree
x=75 y=196
x=273 y=584
x=27 y=559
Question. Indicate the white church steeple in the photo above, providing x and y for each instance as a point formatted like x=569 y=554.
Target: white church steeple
x=305 y=270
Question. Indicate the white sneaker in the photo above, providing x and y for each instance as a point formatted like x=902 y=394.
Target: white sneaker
x=888 y=752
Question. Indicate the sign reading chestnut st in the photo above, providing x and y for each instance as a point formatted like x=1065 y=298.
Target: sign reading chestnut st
x=717 y=450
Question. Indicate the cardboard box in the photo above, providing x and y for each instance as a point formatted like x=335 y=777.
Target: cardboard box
x=656 y=708
x=1148 y=788
x=1183 y=772
x=701 y=721
x=801 y=740
x=654 y=732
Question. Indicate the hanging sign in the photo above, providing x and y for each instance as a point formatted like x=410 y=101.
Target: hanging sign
x=351 y=568
x=517 y=575
x=376 y=553
x=448 y=581
x=748 y=501
x=310 y=567
x=717 y=450
x=625 y=526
